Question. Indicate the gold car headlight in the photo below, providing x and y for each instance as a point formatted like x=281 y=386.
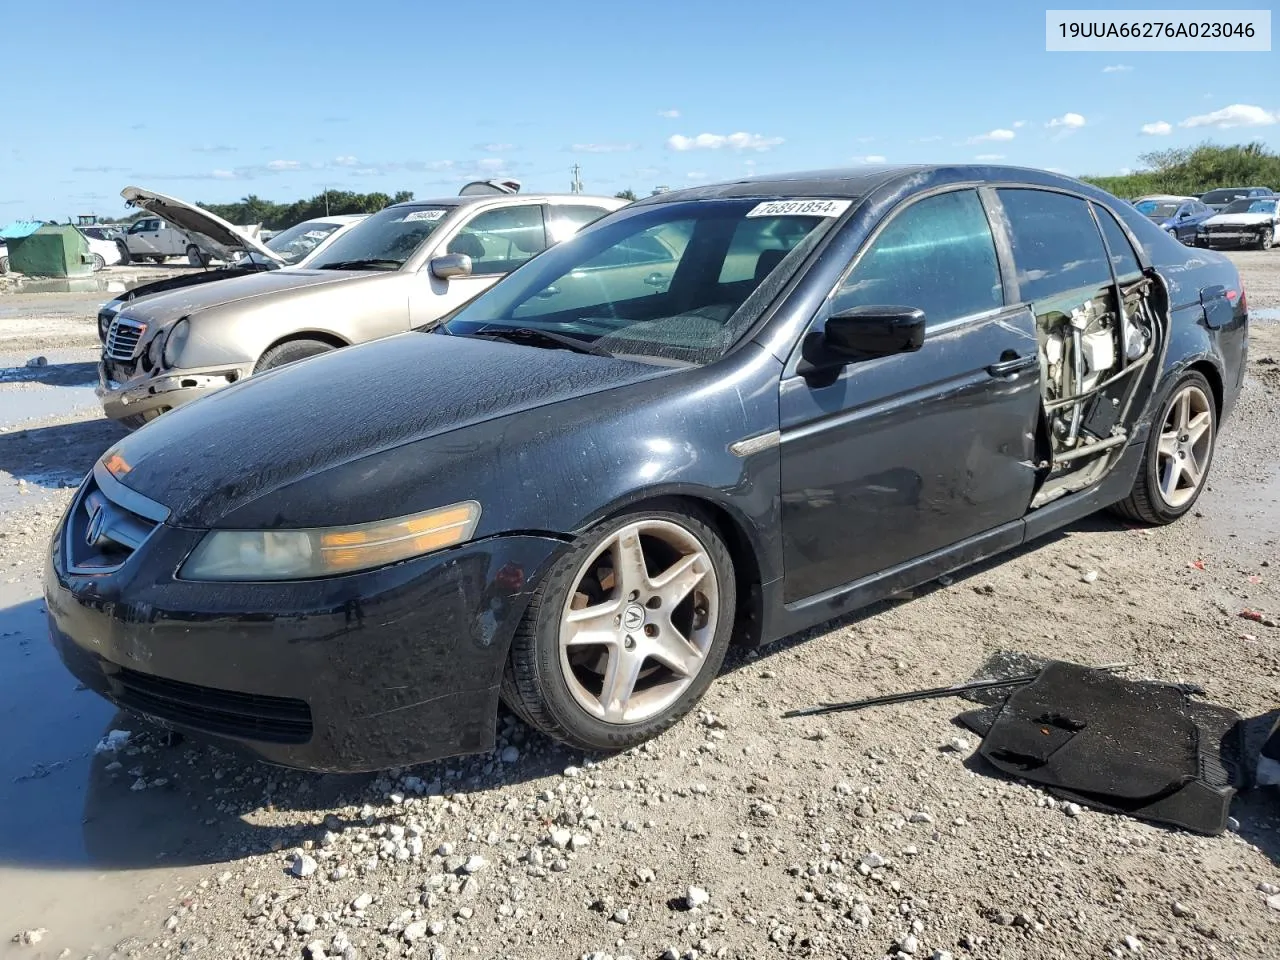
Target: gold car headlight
x=328 y=551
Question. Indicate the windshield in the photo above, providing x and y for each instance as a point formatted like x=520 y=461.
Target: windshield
x=1158 y=210
x=299 y=240
x=1222 y=196
x=1251 y=206
x=681 y=281
x=384 y=241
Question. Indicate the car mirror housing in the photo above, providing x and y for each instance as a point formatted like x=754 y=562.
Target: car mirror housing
x=451 y=265
x=874 y=331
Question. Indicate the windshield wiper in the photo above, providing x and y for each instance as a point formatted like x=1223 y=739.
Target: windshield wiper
x=530 y=336
x=368 y=264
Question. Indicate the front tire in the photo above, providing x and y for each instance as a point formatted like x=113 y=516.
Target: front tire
x=4 y=265
x=626 y=632
x=125 y=256
x=291 y=351
x=99 y=262
x=1267 y=239
x=1178 y=454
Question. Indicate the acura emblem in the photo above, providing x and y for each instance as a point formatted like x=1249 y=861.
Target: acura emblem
x=97 y=520
x=633 y=617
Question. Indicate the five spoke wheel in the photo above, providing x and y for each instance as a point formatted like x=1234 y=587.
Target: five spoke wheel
x=1186 y=444
x=639 y=621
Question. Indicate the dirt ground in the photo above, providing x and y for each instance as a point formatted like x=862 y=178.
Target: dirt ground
x=857 y=835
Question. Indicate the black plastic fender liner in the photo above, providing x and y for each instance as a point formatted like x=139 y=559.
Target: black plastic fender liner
x=1142 y=749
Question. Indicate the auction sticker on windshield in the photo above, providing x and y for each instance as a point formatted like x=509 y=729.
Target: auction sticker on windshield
x=422 y=215
x=800 y=208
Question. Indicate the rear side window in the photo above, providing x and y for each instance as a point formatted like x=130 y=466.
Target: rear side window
x=1123 y=259
x=566 y=219
x=1056 y=246
x=498 y=241
x=937 y=255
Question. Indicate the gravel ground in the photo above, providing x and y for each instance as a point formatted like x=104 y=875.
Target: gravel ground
x=736 y=834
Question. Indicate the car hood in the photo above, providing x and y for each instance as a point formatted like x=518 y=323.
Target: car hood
x=198 y=220
x=208 y=458
x=1238 y=219
x=168 y=306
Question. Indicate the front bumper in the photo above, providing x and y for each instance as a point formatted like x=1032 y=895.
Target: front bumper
x=383 y=668
x=1247 y=238
x=149 y=396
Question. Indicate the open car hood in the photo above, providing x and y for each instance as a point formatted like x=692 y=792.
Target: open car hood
x=197 y=220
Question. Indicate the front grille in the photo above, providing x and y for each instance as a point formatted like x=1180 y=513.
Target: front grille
x=247 y=715
x=102 y=532
x=123 y=337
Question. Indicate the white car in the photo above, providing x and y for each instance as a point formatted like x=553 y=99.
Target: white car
x=1247 y=222
x=4 y=259
x=103 y=252
x=298 y=244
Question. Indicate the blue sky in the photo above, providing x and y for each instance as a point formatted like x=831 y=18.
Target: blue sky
x=214 y=101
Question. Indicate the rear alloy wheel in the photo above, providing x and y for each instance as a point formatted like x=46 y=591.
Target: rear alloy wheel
x=1177 y=457
x=99 y=262
x=195 y=258
x=1267 y=239
x=626 y=632
x=291 y=351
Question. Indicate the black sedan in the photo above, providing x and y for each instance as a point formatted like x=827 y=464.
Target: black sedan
x=717 y=415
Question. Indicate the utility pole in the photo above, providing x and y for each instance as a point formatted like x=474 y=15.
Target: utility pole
x=326 y=200
x=576 y=185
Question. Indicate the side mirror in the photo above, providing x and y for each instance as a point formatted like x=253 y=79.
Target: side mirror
x=860 y=333
x=451 y=265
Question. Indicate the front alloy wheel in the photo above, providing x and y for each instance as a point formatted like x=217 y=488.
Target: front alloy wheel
x=626 y=632
x=1177 y=457
x=1266 y=239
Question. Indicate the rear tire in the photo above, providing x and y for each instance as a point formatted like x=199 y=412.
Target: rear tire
x=195 y=258
x=291 y=351
x=1178 y=455
x=4 y=265
x=125 y=257
x=613 y=684
x=99 y=262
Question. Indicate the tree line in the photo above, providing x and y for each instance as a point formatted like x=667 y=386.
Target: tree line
x=1191 y=171
x=280 y=216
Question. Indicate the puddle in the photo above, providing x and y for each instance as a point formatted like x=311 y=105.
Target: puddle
x=21 y=406
x=60 y=812
x=1265 y=314
x=96 y=284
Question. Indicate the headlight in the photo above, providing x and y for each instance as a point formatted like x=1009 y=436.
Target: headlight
x=328 y=551
x=177 y=340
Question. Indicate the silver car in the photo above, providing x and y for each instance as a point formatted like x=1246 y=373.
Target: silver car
x=404 y=266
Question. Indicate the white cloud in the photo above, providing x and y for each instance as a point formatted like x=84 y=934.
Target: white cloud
x=1125 y=171
x=224 y=174
x=1236 y=115
x=490 y=164
x=1158 y=129
x=604 y=147
x=927 y=139
x=497 y=147
x=1019 y=123
x=1069 y=121
x=346 y=160
x=696 y=175
x=714 y=141
x=997 y=134
x=279 y=165
x=989 y=157
x=669 y=114
x=869 y=158
x=1117 y=68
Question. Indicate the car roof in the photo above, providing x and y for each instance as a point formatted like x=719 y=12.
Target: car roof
x=339 y=218
x=500 y=198
x=860 y=181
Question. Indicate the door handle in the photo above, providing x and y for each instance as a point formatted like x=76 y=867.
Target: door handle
x=1006 y=367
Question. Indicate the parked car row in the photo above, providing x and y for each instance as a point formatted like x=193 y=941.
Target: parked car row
x=405 y=266
x=721 y=414
x=1232 y=216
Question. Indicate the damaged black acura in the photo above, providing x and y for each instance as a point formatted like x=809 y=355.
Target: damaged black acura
x=717 y=415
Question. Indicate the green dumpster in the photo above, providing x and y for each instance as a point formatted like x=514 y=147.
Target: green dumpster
x=51 y=251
